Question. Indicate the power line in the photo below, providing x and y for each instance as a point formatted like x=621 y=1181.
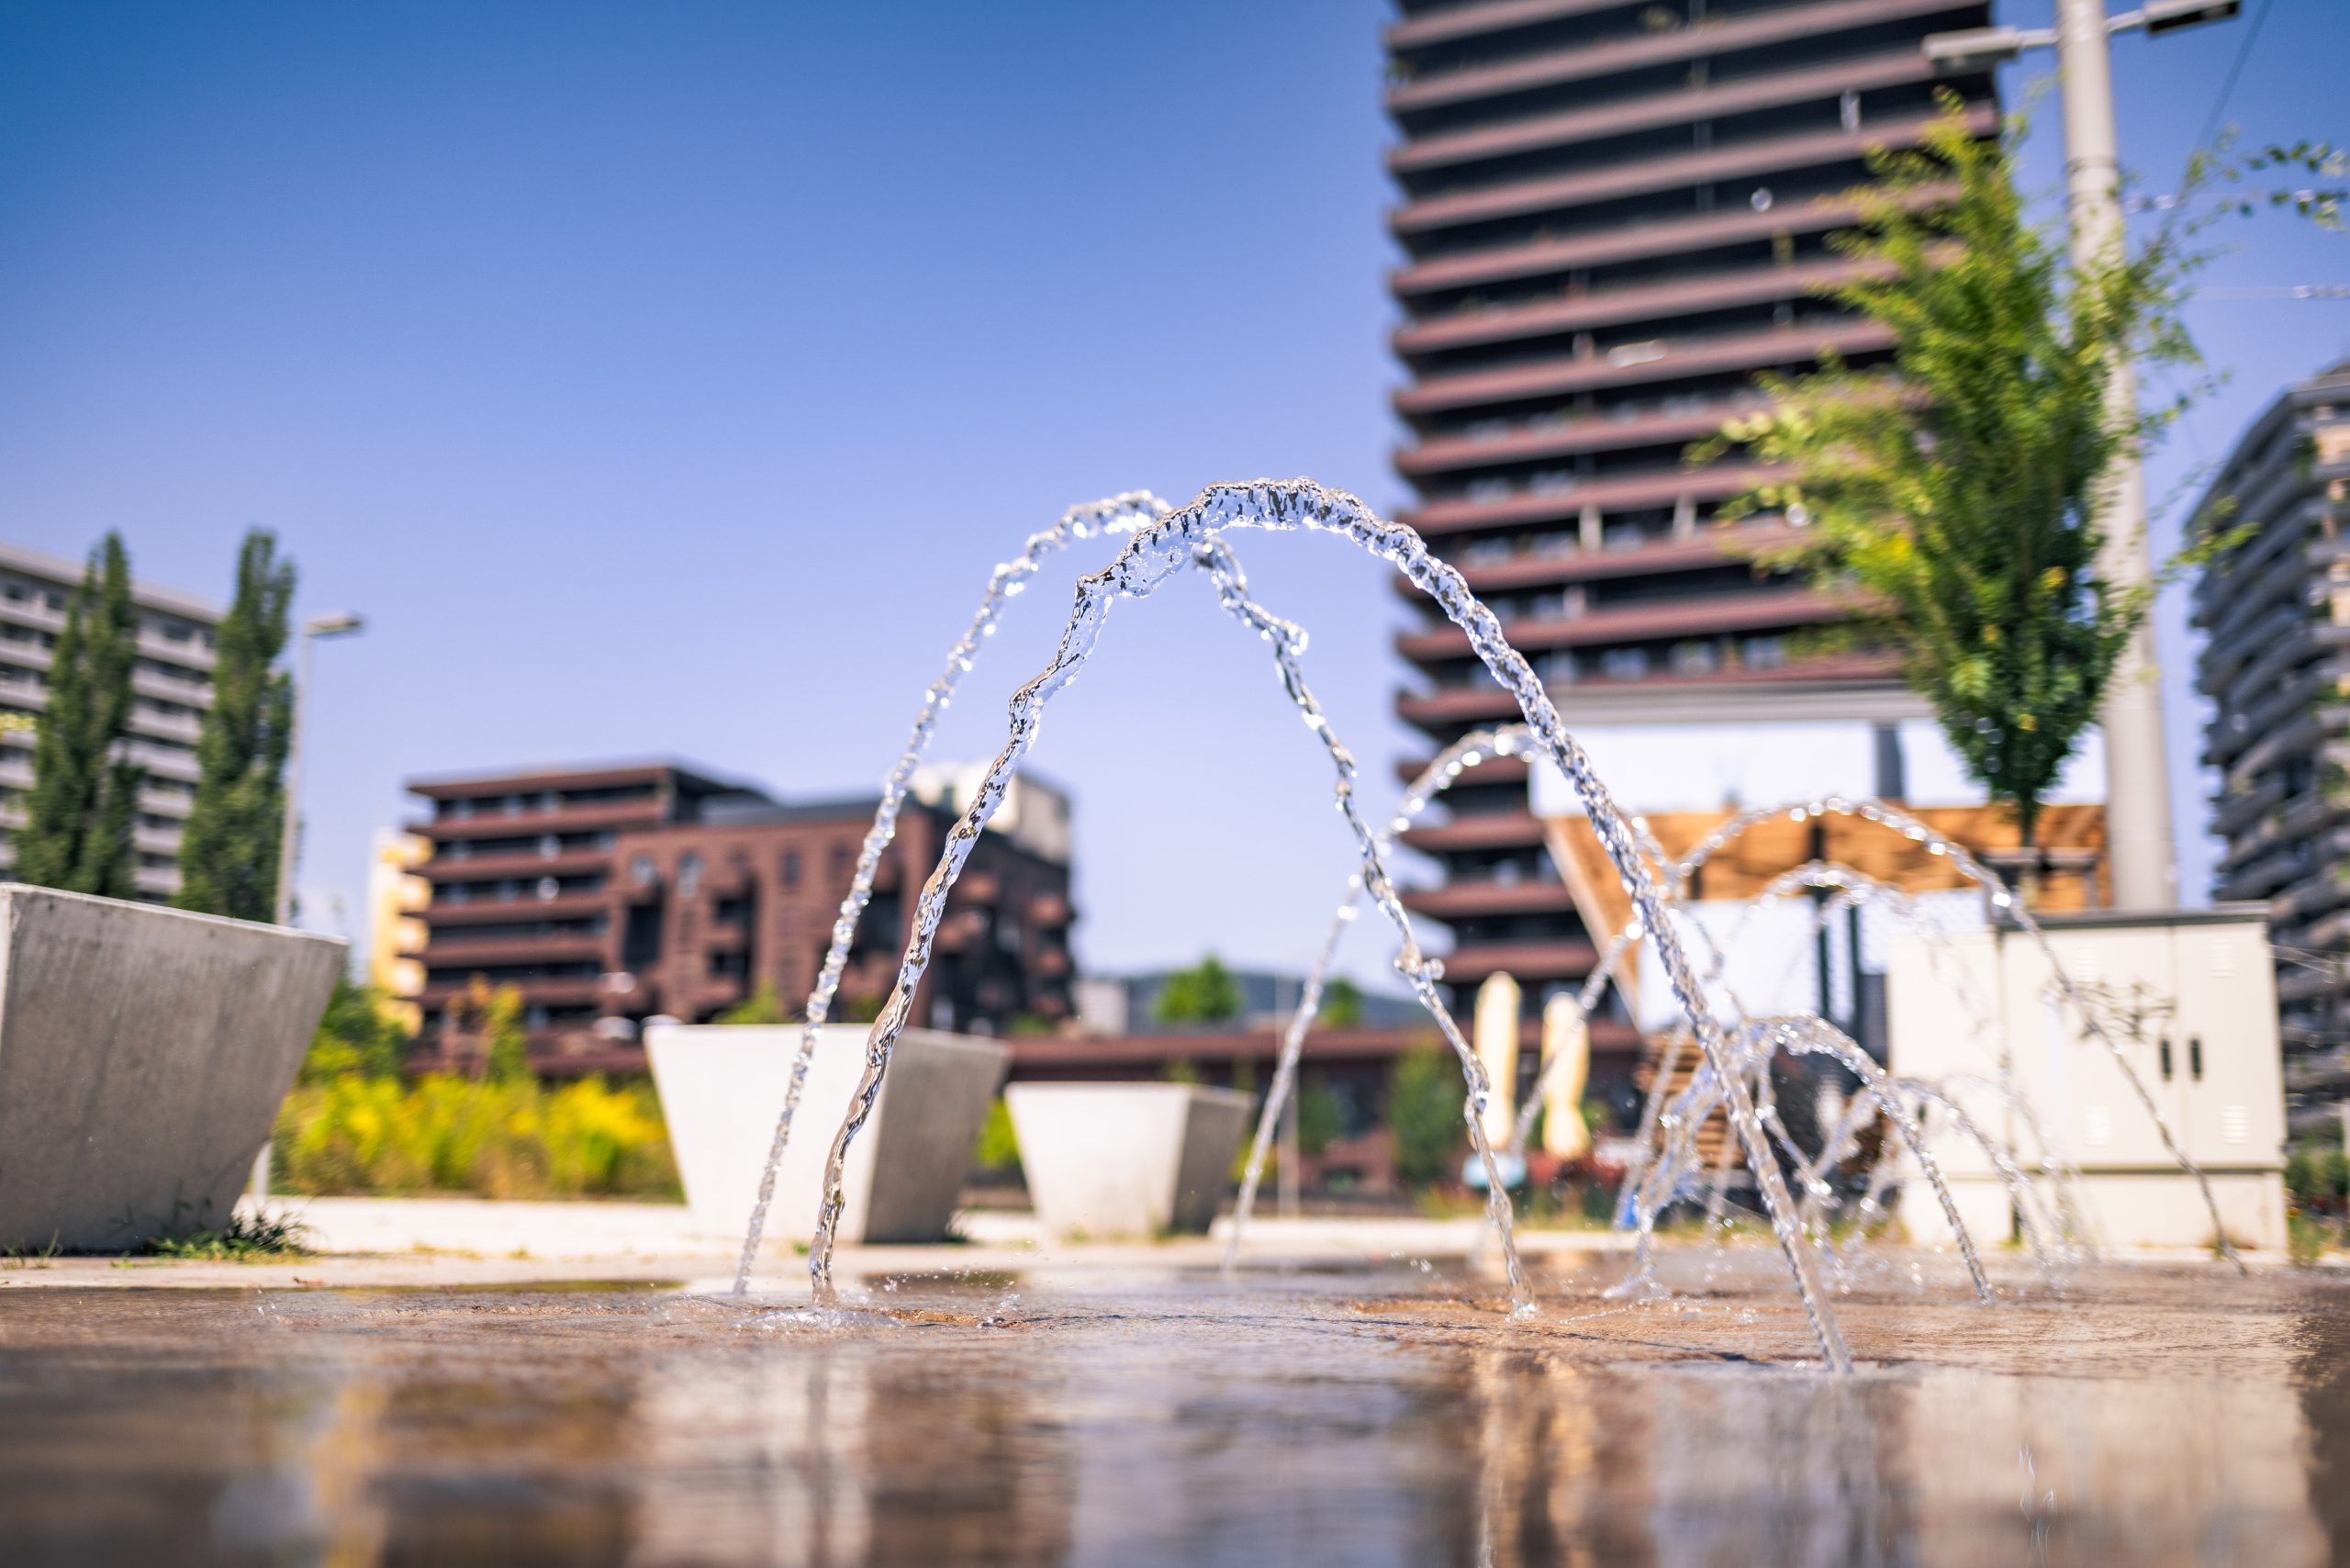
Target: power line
x=2228 y=86
x=2278 y=291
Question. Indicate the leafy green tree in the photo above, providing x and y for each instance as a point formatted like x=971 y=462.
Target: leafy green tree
x=487 y=1020
x=85 y=800
x=1321 y=1119
x=762 y=1006
x=1342 y=1004
x=1204 y=994
x=1425 y=1096
x=356 y=1037
x=228 y=855
x=1955 y=493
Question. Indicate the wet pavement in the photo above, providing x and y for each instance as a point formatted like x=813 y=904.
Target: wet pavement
x=1141 y=1415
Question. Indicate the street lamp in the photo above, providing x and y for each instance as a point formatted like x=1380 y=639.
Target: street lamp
x=2139 y=845
x=315 y=628
x=290 y=838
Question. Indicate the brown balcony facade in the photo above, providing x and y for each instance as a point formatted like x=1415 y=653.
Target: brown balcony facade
x=692 y=895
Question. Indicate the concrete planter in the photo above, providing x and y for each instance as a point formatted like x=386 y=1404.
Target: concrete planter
x=722 y=1085
x=1127 y=1159
x=144 y=1052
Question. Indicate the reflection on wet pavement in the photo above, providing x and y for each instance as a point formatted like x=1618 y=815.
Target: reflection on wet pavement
x=2152 y=1417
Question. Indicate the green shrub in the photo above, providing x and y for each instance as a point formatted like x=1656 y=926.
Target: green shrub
x=356 y=1036
x=762 y=1006
x=511 y=1139
x=1321 y=1119
x=1424 y=1095
x=2318 y=1178
x=998 y=1150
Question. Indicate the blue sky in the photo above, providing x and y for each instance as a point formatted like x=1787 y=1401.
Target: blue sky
x=667 y=380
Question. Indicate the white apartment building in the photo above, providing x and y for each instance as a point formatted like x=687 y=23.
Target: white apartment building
x=171 y=688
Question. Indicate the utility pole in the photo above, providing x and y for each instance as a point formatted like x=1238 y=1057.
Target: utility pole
x=2140 y=849
x=2138 y=843
x=290 y=838
x=290 y=842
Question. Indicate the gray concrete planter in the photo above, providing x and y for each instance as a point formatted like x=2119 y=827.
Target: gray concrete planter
x=721 y=1086
x=1127 y=1159
x=144 y=1052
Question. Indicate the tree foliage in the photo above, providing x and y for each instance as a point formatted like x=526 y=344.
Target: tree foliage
x=1341 y=1004
x=1321 y=1118
x=763 y=1005
x=229 y=853
x=356 y=1037
x=85 y=799
x=1955 y=493
x=1425 y=1096
x=487 y=1022
x=1204 y=994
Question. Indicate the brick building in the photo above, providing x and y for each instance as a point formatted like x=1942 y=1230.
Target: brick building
x=609 y=895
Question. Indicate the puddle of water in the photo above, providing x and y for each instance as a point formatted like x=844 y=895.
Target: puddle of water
x=1384 y=1415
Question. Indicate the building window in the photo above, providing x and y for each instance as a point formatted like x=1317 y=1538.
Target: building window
x=791 y=868
x=549 y=846
x=688 y=874
x=642 y=872
x=1696 y=658
x=549 y=888
x=843 y=860
x=1764 y=652
x=1624 y=664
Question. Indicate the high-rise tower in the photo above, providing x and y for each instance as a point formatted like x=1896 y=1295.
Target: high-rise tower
x=1615 y=213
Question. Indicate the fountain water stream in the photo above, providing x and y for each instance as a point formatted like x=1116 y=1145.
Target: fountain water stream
x=1115 y=515
x=2003 y=902
x=1154 y=552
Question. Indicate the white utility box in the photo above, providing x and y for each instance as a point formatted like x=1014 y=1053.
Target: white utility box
x=2189 y=996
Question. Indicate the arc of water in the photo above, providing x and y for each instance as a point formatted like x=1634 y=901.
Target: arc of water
x=1758 y=1043
x=1818 y=1035
x=2002 y=899
x=1855 y=887
x=1443 y=771
x=1420 y=972
x=1153 y=554
x=1112 y=514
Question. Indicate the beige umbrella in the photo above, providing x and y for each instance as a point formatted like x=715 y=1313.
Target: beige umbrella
x=1495 y=1034
x=1565 y=1032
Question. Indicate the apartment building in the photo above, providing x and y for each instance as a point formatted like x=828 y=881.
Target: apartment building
x=608 y=895
x=171 y=686
x=1614 y=214
x=2275 y=610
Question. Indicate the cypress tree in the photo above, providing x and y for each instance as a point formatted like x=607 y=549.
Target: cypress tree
x=229 y=857
x=84 y=797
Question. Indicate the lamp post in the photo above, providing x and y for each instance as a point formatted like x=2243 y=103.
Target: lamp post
x=290 y=837
x=2139 y=845
x=289 y=845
